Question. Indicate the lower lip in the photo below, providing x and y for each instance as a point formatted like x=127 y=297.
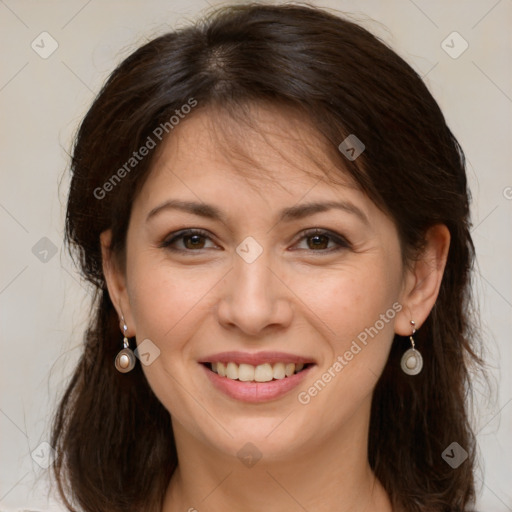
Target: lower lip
x=255 y=392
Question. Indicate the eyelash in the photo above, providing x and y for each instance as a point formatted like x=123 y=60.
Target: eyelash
x=341 y=241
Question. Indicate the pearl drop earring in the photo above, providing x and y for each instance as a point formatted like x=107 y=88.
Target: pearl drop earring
x=125 y=359
x=412 y=361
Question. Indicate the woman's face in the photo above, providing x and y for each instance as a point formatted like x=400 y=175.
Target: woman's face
x=250 y=265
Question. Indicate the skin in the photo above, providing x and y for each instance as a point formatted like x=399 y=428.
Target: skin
x=295 y=297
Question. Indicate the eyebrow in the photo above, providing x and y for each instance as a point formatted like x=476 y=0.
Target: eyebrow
x=286 y=215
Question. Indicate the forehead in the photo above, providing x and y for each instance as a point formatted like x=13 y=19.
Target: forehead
x=251 y=167
x=266 y=146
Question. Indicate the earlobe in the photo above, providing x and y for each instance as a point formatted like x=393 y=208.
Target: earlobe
x=424 y=280
x=115 y=280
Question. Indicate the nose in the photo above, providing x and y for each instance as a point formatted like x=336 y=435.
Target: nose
x=254 y=298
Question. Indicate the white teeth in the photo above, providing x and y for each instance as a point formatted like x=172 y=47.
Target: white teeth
x=289 y=369
x=232 y=371
x=261 y=373
x=279 y=371
x=245 y=372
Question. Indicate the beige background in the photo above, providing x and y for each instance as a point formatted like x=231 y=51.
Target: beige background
x=43 y=304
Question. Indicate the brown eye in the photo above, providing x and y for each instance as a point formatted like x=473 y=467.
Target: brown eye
x=194 y=241
x=318 y=242
x=322 y=241
x=189 y=240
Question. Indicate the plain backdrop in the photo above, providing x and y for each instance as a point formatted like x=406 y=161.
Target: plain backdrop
x=56 y=55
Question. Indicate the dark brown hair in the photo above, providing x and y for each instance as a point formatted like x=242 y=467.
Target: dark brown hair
x=114 y=437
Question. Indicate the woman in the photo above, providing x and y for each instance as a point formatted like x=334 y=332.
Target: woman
x=276 y=218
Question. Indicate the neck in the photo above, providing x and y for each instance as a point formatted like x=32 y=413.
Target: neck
x=333 y=475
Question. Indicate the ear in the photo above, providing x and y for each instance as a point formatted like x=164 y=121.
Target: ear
x=116 y=283
x=423 y=280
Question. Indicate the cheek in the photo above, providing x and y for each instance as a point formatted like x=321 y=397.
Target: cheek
x=164 y=299
x=167 y=305
x=355 y=308
x=356 y=314
x=350 y=300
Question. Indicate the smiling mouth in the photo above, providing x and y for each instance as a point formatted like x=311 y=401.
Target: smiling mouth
x=265 y=372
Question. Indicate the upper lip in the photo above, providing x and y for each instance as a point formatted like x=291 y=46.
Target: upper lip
x=255 y=358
